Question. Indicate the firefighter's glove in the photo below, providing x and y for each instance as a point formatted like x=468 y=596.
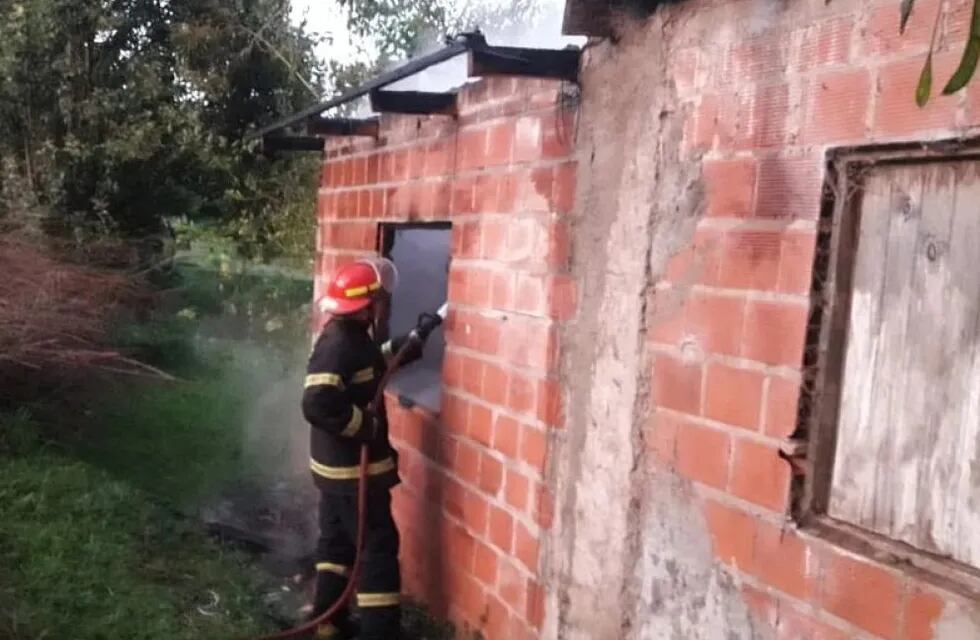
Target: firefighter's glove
x=427 y=323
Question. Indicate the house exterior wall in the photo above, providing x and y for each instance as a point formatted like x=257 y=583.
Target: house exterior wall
x=630 y=289
x=701 y=146
x=473 y=505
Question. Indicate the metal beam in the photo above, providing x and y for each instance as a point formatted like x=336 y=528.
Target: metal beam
x=560 y=64
x=461 y=44
x=292 y=143
x=368 y=127
x=414 y=102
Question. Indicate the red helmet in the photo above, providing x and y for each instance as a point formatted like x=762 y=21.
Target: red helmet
x=355 y=285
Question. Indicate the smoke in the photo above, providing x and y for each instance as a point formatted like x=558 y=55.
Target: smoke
x=513 y=23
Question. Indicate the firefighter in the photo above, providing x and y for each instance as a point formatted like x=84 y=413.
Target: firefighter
x=343 y=374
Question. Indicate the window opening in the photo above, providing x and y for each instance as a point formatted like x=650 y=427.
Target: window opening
x=422 y=254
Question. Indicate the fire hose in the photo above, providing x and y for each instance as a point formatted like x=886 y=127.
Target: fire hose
x=427 y=323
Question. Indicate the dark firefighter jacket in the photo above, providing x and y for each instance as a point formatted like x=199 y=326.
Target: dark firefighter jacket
x=343 y=374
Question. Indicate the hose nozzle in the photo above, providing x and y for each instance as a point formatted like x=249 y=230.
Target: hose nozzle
x=428 y=322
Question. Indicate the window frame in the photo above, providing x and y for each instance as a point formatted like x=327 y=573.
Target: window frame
x=384 y=243
x=826 y=342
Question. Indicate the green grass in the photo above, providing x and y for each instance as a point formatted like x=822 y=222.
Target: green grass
x=86 y=556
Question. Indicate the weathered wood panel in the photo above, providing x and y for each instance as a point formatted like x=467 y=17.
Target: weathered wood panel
x=907 y=447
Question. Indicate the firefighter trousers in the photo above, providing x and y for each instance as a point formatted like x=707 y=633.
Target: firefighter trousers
x=379 y=586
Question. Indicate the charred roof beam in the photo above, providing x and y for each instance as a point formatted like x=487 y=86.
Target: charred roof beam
x=366 y=127
x=414 y=102
x=558 y=64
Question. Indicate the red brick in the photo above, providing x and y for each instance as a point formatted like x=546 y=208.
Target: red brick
x=520 y=393
x=516 y=490
x=759 y=475
x=452 y=369
x=733 y=533
x=506 y=436
x=460 y=546
x=527 y=139
x=861 y=593
x=378 y=203
x=563 y=187
x=472 y=381
x=503 y=288
x=769 y=119
x=471 y=149
x=500 y=143
x=526 y=547
x=470 y=597
x=501 y=531
x=794 y=625
x=464 y=190
x=455 y=413
x=399 y=165
x=733 y=396
x=730 y=186
x=549 y=403
x=493 y=235
x=789 y=188
x=544 y=506
x=535 y=604
x=775 y=332
x=702 y=454
x=437 y=159
x=826 y=43
x=498 y=620
x=476 y=512
x=796 y=261
x=783 y=561
x=467 y=462
x=561 y=297
x=558 y=134
x=494 y=388
x=485 y=564
x=758 y=58
x=781 y=407
x=480 y=426
x=661 y=438
x=491 y=474
x=750 y=260
x=530 y=295
x=716 y=321
x=511 y=585
x=922 y=610
x=538 y=191
x=897 y=114
x=677 y=385
x=534 y=447
x=485 y=194
x=837 y=107
x=881 y=37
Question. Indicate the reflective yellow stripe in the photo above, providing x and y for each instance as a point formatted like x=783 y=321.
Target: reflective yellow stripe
x=378 y=599
x=354 y=425
x=339 y=569
x=327 y=631
x=386 y=350
x=364 y=375
x=325 y=379
x=360 y=291
x=351 y=473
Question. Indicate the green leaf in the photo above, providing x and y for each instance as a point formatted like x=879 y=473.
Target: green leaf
x=906 y=10
x=968 y=64
x=924 y=89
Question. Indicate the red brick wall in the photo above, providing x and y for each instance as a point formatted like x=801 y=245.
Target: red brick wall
x=473 y=503
x=730 y=311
